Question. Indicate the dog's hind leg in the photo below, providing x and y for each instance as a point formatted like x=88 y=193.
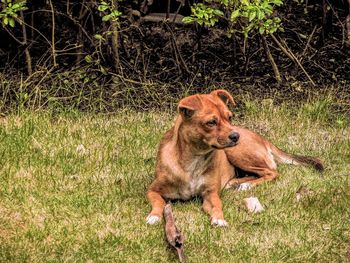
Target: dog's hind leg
x=235 y=182
x=264 y=175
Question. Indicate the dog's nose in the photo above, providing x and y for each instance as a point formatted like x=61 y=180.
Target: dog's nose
x=234 y=136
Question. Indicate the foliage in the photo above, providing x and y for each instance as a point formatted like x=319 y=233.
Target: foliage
x=9 y=11
x=122 y=43
x=204 y=14
x=247 y=14
x=111 y=9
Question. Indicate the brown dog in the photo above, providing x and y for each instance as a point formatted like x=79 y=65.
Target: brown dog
x=198 y=155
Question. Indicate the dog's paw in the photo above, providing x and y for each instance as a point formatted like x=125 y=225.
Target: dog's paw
x=219 y=222
x=244 y=187
x=152 y=219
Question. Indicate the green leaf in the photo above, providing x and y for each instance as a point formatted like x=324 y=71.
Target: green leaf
x=261 y=30
x=102 y=8
x=88 y=58
x=245 y=2
x=252 y=16
x=277 y=2
x=12 y=22
x=5 y=21
x=98 y=36
x=260 y=14
x=15 y=6
x=188 y=20
x=235 y=14
x=106 y=18
x=116 y=13
x=218 y=12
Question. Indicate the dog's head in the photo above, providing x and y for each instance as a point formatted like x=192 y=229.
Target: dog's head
x=206 y=120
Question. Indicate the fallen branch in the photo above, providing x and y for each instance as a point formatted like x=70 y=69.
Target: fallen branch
x=173 y=234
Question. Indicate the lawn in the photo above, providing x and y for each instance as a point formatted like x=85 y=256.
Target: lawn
x=72 y=189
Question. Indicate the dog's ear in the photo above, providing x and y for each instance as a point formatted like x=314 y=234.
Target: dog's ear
x=224 y=95
x=187 y=106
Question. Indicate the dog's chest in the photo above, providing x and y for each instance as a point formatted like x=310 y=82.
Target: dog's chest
x=196 y=178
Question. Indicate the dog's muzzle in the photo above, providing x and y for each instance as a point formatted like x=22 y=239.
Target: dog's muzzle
x=234 y=137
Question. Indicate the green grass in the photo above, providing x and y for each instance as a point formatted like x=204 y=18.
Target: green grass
x=72 y=189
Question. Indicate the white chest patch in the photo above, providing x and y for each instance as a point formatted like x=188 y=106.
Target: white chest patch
x=193 y=176
x=195 y=184
x=190 y=189
x=197 y=178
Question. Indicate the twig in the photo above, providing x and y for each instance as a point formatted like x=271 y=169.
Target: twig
x=343 y=27
x=173 y=234
x=177 y=51
x=115 y=41
x=26 y=51
x=168 y=10
x=290 y=54
x=16 y=39
x=347 y=24
x=271 y=59
x=33 y=28
x=308 y=43
x=53 y=34
x=182 y=3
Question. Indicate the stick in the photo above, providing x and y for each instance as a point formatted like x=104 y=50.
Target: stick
x=53 y=35
x=292 y=57
x=173 y=234
x=26 y=51
x=308 y=43
x=271 y=59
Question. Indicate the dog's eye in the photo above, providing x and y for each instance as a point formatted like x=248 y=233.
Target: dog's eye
x=211 y=123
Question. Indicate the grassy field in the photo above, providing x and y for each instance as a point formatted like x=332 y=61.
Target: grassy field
x=72 y=189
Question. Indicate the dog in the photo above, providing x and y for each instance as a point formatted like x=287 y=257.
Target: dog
x=199 y=154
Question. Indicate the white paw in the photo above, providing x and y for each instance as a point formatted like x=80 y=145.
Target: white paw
x=151 y=220
x=244 y=187
x=219 y=222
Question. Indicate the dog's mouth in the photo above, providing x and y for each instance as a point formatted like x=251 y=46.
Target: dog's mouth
x=231 y=144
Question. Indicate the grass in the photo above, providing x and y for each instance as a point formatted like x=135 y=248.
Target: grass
x=73 y=189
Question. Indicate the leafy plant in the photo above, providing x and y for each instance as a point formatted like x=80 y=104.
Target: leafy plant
x=9 y=11
x=203 y=14
x=109 y=7
x=247 y=15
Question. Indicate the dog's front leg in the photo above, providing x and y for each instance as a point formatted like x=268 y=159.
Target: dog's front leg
x=213 y=206
x=158 y=204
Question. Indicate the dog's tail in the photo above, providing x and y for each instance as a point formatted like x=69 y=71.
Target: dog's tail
x=283 y=157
